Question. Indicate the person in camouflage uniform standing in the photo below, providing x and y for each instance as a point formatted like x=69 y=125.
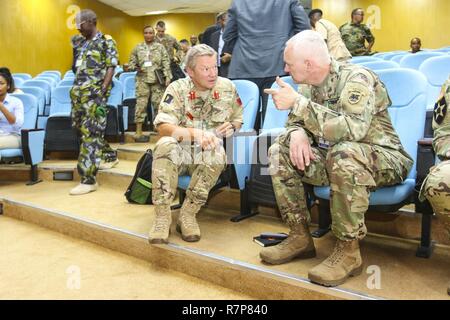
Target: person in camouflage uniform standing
x=146 y=58
x=172 y=46
x=195 y=114
x=436 y=187
x=97 y=58
x=170 y=43
x=342 y=137
x=355 y=34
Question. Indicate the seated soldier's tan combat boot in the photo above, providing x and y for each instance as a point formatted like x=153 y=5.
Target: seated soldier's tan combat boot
x=139 y=136
x=160 y=230
x=187 y=223
x=344 y=262
x=299 y=244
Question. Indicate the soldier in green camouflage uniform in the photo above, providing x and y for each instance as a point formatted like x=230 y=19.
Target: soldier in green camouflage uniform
x=97 y=58
x=436 y=187
x=355 y=34
x=169 y=42
x=342 y=137
x=195 y=114
x=146 y=58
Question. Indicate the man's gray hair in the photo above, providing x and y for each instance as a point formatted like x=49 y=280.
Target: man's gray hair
x=199 y=50
x=311 y=45
x=86 y=15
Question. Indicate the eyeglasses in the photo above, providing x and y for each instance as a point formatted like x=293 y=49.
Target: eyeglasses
x=79 y=24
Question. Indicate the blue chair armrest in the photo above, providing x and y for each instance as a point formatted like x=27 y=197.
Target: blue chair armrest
x=33 y=146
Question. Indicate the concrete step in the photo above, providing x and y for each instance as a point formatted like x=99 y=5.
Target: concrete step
x=226 y=254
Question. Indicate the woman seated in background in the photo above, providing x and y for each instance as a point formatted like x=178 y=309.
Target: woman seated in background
x=11 y=115
x=13 y=88
x=415 y=45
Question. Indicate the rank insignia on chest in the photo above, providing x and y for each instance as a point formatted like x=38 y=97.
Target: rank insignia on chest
x=190 y=116
x=192 y=95
x=239 y=101
x=168 y=99
x=216 y=95
x=354 y=97
x=440 y=110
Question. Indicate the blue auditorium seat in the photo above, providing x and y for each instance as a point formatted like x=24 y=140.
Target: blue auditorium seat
x=242 y=141
x=358 y=60
x=18 y=82
x=44 y=85
x=24 y=76
x=120 y=113
x=39 y=94
x=388 y=56
x=51 y=79
x=380 y=65
x=414 y=61
x=397 y=58
x=437 y=71
x=66 y=82
x=124 y=76
x=258 y=190
x=61 y=103
x=32 y=150
x=129 y=95
x=53 y=72
x=407 y=89
x=274 y=118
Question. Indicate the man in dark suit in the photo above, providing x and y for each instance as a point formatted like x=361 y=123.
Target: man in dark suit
x=223 y=49
x=261 y=30
x=206 y=38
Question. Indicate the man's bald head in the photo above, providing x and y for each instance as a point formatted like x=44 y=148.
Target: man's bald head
x=307 y=57
x=309 y=45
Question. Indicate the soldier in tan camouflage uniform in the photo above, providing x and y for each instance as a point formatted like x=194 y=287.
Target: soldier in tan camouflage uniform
x=331 y=35
x=355 y=34
x=342 y=137
x=96 y=59
x=195 y=114
x=146 y=58
x=436 y=187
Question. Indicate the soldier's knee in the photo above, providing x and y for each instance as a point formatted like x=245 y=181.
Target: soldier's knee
x=168 y=147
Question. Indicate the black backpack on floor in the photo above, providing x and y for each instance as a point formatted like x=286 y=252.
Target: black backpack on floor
x=140 y=189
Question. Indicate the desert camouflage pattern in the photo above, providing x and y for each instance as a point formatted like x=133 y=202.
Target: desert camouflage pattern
x=170 y=43
x=356 y=147
x=183 y=106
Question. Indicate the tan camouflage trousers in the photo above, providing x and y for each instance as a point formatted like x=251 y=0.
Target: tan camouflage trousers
x=351 y=169
x=436 y=188
x=172 y=159
x=144 y=92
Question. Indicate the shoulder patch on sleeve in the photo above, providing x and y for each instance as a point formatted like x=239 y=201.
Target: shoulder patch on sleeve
x=354 y=97
x=168 y=99
x=440 y=110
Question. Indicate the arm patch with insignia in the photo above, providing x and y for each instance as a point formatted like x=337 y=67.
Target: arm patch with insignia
x=440 y=110
x=168 y=99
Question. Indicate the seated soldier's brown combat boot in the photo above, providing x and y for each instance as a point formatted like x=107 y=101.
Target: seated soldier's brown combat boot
x=187 y=223
x=344 y=262
x=160 y=230
x=299 y=244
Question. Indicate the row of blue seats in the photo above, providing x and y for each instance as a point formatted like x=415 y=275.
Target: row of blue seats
x=435 y=68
